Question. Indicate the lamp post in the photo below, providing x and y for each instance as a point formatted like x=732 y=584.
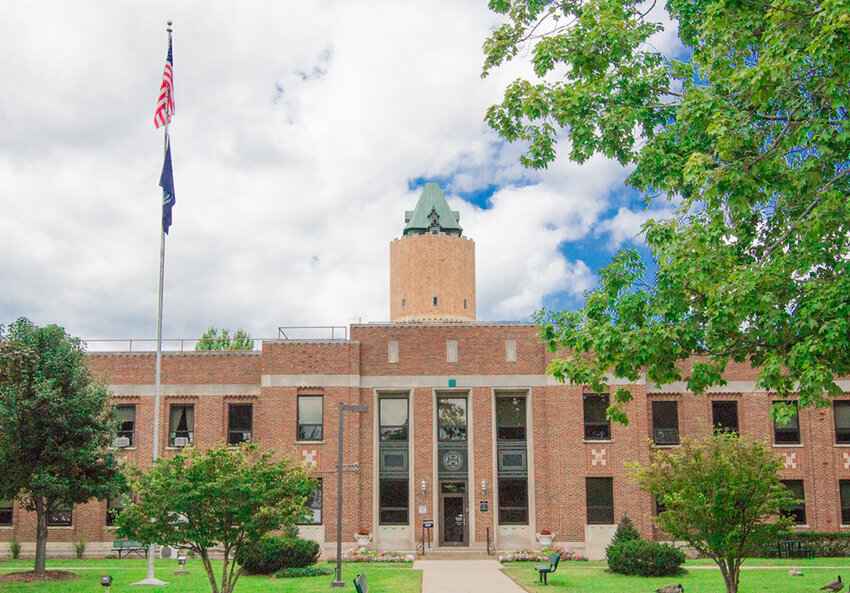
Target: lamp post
x=358 y=408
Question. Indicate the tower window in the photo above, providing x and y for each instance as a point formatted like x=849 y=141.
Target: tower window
x=435 y=301
x=403 y=302
x=464 y=303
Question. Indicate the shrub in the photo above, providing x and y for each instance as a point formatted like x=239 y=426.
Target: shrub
x=625 y=531
x=273 y=553
x=15 y=548
x=824 y=545
x=644 y=558
x=80 y=547
x=303 y=571
x=355 y=555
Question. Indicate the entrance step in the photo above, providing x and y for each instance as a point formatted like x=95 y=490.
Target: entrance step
x=456 y=554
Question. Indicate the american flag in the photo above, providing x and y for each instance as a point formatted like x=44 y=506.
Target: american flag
x=165 y=105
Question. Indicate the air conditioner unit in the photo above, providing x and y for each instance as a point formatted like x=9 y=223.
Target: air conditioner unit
x=181 y=442
x=168 y=552
x=121 y=442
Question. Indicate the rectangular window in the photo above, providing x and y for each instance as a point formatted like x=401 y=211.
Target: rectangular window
x=659 y=506
x=451 y=418
x=510 y=418
x=844 y=492
x=393 y=502
x=600 y=501
x=310 y=417
x=393 y=418
x=798 y=511
x=435 y=301
x=125 y=414
x=789 y=432
x=114 y=506
x=596 y=426
x=513 y=501
x=314 y=507
x=665 y=422
x=240 y=423
x=724 y=415
x=62 y=516
x=6 y=511
x=841 y=412
x=181 y=425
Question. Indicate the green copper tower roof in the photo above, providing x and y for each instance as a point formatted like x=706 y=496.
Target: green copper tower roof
x=432 y=214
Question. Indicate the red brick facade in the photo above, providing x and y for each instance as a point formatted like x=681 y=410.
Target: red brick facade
x=357 y=371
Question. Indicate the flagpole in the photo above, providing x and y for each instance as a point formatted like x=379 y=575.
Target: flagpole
x=151 y=580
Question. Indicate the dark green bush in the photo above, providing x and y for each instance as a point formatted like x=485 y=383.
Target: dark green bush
x=273 y=553
x=824 y=544
x=303 y=571
x=625 y=531
x=644 y=558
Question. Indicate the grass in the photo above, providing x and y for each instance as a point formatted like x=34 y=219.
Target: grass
x=591 y=577
x=382 y=577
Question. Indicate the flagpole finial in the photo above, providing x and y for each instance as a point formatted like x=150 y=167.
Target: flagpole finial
x=169 y=27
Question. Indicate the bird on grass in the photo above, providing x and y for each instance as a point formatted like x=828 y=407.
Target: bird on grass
x=834 y=586
x=670 y=589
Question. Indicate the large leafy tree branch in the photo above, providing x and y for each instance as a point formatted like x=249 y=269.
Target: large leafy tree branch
x=750 y=139
x=55 y=425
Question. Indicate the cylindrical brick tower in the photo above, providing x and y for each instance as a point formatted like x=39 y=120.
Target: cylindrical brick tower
x=432 y=266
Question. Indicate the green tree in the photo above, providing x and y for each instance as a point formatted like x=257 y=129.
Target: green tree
x=722 y=495
x=749 y=138
x=213 y=340
x=56 y=425
x=220 y=496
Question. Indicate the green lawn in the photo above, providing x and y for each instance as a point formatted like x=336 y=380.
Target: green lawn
x=584 y=577
x=382 y=577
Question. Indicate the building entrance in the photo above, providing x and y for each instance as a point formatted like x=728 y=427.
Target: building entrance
x=454 y=528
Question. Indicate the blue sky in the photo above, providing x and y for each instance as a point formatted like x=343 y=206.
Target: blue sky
x=303 y=132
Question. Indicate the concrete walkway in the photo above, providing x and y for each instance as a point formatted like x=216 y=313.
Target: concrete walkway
x=464 y=576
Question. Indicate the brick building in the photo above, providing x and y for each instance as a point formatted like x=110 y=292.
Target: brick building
x=463 y=426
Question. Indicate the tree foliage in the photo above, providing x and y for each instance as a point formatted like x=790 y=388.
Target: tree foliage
x=56 y=425
x=721 y=495
x=749 y=137
x=213 y=340
x=223 y=496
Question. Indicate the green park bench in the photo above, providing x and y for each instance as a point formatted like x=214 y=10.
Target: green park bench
x=546 y=569
x=125 y=547
x=360 y=584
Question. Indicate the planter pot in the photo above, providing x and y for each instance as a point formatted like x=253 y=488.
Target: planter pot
x=545 y=539
x=362 y=541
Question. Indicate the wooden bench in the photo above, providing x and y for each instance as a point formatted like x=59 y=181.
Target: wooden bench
x=546 y=569
x=125 y=547
x=360 y=584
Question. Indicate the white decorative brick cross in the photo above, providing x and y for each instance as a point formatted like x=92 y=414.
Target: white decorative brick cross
x=790 y=460
x=598 y=457
x=309 y=457
x=847 y=461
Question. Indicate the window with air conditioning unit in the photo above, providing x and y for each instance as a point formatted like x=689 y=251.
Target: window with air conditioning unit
x=181 y=425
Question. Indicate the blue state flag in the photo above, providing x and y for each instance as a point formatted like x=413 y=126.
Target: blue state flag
x=166 y=182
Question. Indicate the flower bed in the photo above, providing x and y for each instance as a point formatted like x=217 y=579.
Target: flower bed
x=530 y=556
x=353 y=555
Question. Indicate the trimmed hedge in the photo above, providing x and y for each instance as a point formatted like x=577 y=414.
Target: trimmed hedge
x=644 y=558
x=824 y=544
x=273 y=553
x=303 y=571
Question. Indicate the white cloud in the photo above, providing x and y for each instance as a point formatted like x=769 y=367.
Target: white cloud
x=298 y=128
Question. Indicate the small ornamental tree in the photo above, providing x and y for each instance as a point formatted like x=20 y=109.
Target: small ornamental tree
x=56 y=425
x=722 y=495
x=213 y=340
x=219 y=497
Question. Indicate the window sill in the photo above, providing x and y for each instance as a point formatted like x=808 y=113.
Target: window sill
x=841 y=445
x=667 y=446
x=801 y=526
x=122 y=448
x=596 y=441
x=170 y=448
x=60 y=526
x=322 y=442
x=789 y=445
x=7 y=526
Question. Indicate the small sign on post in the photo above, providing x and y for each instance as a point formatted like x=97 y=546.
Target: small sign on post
x=428 y=523
x=484 y=506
